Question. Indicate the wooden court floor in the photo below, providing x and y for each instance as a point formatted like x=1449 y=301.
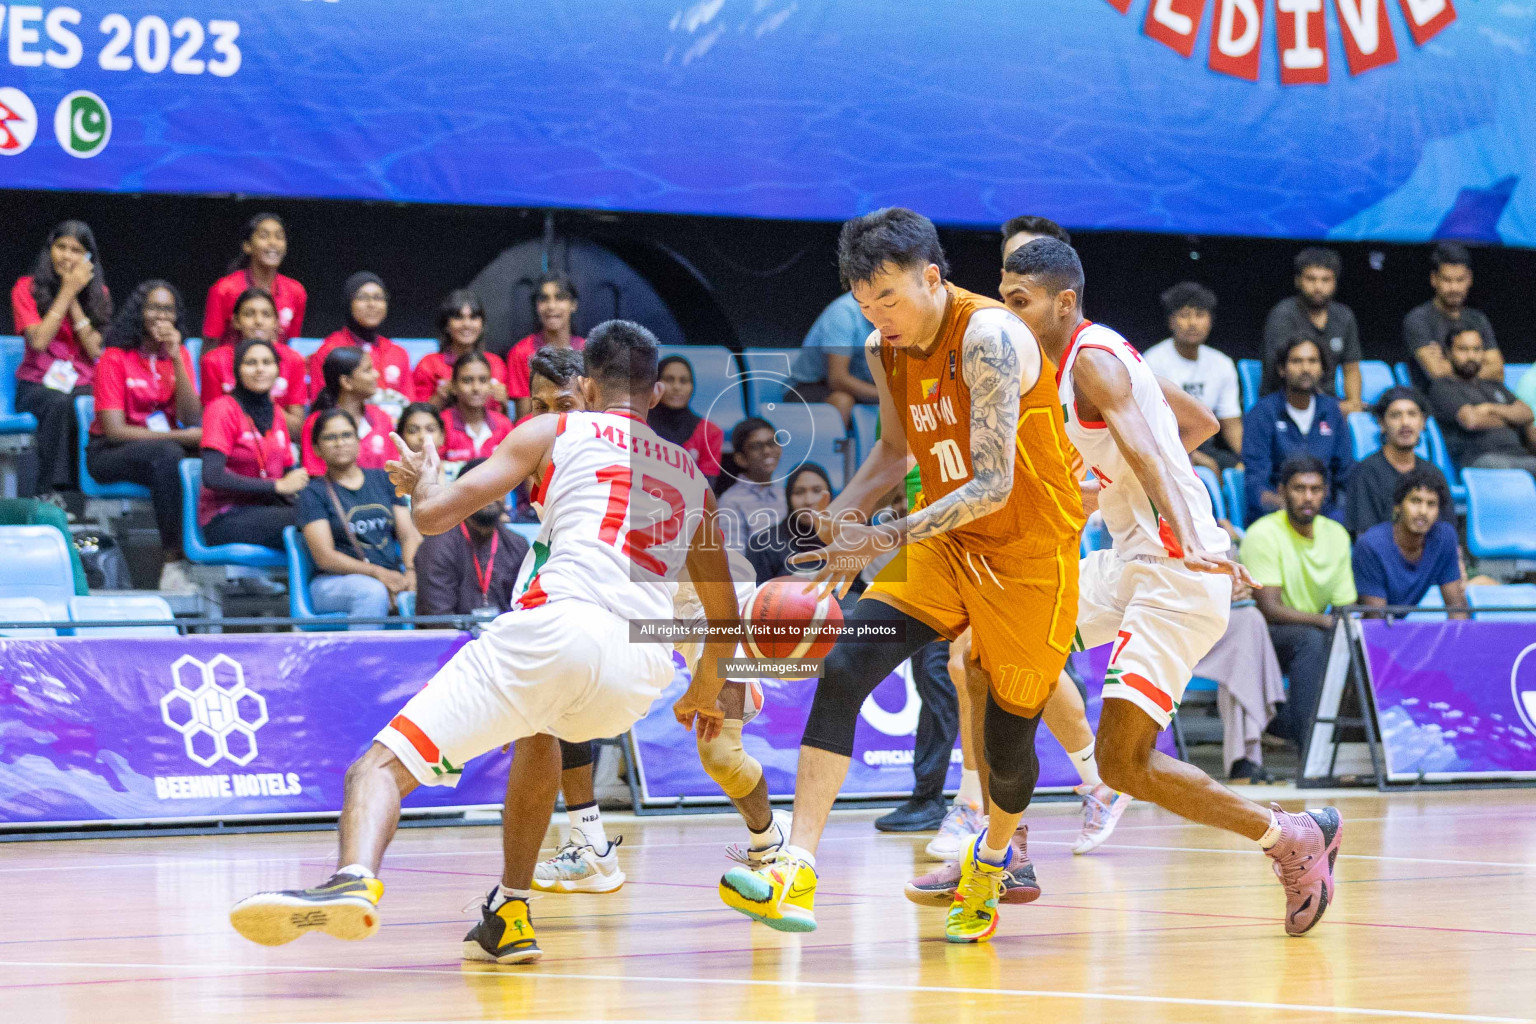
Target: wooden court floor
x=1435 y=920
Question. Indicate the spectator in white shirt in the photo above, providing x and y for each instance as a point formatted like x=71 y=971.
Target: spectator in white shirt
x=1204 y=373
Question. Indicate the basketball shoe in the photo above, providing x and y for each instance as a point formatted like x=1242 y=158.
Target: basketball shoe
x=781 y=894
x=578 y=867
x=505 y=933
x=754 y=854
x=1304 y=856
x=973 y=914
x=937 y=887
x=343 y=905
x=961 y=824
x=1102 y=808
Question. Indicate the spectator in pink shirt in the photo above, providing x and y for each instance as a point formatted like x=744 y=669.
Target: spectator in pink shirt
x=460 y=329
x=554 y=304
x=262 y=249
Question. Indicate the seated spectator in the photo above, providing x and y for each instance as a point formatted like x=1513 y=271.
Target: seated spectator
x=754 y=500
x=473 y=428
x=460 y=329
x=1291 y=421
x=1205 y=374
x=1395 y=563
x=255 y=316
x=810 y=491
x=249 y=479
x=830 y=366
x=367 y=306
x=553 y=383
x=1302 y=561
x=1402 y=413
x=262 y=249
x=1484 y=424
x=350 y=380
x=61 y=308
x=360 y=534
x=421 y=424
x=1427 y=328
x=554 y=307
x=472 y=569
x=148 y=413
x=674 y=420
x=1311 y=313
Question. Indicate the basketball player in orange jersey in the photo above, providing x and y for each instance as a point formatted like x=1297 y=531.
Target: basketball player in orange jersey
x=965 y=388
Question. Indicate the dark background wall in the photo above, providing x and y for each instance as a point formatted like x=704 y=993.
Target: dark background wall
x=766 y=280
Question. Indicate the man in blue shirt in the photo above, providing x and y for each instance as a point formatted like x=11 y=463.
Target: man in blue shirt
x=1398 y=561
x=831 y=366
x=1296 y=420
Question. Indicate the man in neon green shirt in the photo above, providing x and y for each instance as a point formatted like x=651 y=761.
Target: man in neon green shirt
x=1303 y=560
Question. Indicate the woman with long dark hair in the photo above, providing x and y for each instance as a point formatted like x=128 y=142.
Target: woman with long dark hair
x=807 y=491
x=61 y=308
x=674 y=420
x=255 y=316
x=148 y=414
x=249 y=479
x=420 y=424
x=263 y=246
x=554 y=308
x=473 y=428
x=460 y=329
x=367 y=306
x=350 y=380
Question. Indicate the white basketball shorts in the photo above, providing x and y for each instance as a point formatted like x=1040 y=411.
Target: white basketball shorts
x=1162 y=619
x=567 y=668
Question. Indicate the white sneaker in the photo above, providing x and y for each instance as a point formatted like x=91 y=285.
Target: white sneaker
x=962 y=824
x=1102 y=808
x=755 y=856
x=578 y=867
x=174 y=578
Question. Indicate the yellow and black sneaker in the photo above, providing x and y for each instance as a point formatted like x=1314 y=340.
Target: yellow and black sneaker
x=344 y=906
x=504 y=934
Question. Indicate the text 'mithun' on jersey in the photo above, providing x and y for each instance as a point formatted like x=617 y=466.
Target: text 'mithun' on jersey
x=646 y=448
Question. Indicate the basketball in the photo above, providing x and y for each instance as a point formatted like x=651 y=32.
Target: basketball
x=784 y=621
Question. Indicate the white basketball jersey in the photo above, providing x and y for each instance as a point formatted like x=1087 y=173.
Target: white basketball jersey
x=620 y=506
x=1129 y=515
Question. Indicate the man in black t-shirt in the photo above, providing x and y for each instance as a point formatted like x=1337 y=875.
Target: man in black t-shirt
x=1401 y=412
x=1427 y=329
x=1484 y=424
x=1312 y=314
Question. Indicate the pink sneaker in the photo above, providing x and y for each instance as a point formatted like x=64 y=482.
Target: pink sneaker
x=1304 y=856
x=937 y=887
x=1102 y=808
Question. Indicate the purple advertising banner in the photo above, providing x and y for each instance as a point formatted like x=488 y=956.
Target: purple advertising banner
x=1454 y=699
x=882 y=742
x=104 y=729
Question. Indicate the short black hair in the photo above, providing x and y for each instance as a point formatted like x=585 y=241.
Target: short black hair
x=1304 y=462
x=559 y=366
x=1452 y=254
x=1042 y=226
x=455 y=303
x=1188 y=295
x=746 y=428
x=1427 y=477
x=1052 y=261
x=470 y=358
x=418 y=407
x=893 y=236
x=1283 y=354
x=325 y=416
x=1400 y=394
x=1317 y=256
x=621 y=355
x=1464 y=328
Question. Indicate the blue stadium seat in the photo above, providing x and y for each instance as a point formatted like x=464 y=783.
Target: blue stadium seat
x=866 y=424
x=1250 y=372
x=198 y=550
x=1513 y=372
x=811 y=432
x=719 y=389
x=1432 y=599
x=125 y=608
x=25 y=609
x=1501 y=506
x=1365 y=436
x=1375 y=377
x=85 y=412
x=768 y=373
x=528 y=531
x=417 y=349
x=1213 y=488
x=301 y=569
x=405 y=604
x=12 y=351
x=1400 y=374
x=1440 y=456
x=1096 y=536
x=194 y=347
x=1232 y=488
x=1513 y=595
x=36 y=562
x=306 y=347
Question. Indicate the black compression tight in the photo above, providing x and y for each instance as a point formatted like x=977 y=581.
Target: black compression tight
x=1012 y=764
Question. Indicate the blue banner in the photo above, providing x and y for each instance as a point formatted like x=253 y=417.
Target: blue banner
x=1355 y=119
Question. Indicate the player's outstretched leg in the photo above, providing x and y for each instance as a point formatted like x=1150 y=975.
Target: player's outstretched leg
x=346 y=904
x=587 y=861
x=1067 y=719
x=740 y=776
x=1302 y=846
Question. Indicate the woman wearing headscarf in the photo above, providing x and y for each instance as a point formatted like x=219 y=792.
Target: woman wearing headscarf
x=367 y=306
x=808 y=491
x=674 y=420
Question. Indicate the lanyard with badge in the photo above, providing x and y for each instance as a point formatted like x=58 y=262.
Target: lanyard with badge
x=483 y=578
x=261 y=441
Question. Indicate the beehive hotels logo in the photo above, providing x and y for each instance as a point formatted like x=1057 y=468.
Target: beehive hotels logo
x=1300 y=34
x=1522 y=687
x=215 y=712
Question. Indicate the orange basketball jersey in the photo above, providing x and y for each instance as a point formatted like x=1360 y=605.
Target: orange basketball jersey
x=1044 y=512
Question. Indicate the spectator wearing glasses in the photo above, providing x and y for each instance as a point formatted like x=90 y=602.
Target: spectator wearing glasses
x=1312 y=313
x=350 y=380
x=473 y=568
x=263 y=247
x=1427 y=329
x=61 y=309
x=755 y=500
x=1402 y=413
x=360 y=533
x=367 y=306
x=255 y=316
x=148 y=414
x=554 y=307
x=1297 y=419
x=1485 y=425
x=1202 y=372
x=460 y=330
x=674 y=420
x=1396 y=562
x=473 y=428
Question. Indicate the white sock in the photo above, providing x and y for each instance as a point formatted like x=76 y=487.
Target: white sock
x=355 y=870
x=767 y=836
x=1087 y=765
x=986 y=853
x=1272 y=836
x=588 y=818
x=970 y=788
x=801 y=854
x=501 y=894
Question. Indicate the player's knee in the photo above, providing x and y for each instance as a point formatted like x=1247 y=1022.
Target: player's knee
x=726 y=761
x=1119 y=766
x=379 y=760
x=575 y=755
x=1011 y=780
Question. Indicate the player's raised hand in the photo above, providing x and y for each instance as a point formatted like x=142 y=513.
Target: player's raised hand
x=407 y=471
x=855 y=546
x=695 y=715
x=1220 y=565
